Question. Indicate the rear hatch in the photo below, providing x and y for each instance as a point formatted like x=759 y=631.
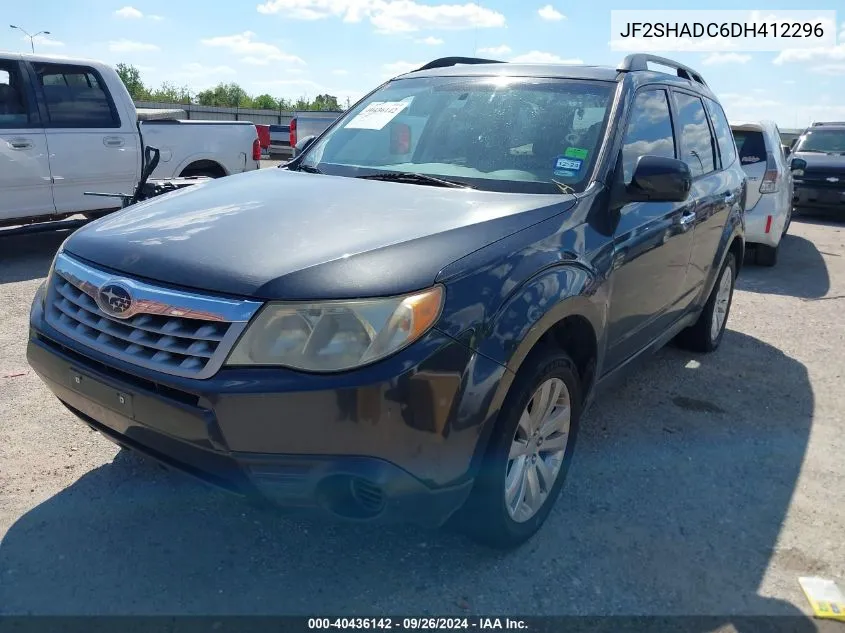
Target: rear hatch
x=752 y=156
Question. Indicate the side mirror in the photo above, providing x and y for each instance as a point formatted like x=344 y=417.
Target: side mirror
x=660 y=179
x=797 y=166
x=303 y=144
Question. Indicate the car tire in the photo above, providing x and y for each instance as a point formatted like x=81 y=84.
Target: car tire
x=707 y=332
x=766 y=255
x=499 y=512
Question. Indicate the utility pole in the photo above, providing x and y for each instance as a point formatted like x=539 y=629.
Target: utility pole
x=31 y=37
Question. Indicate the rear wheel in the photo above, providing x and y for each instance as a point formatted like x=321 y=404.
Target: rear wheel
x=529 y=454
x=766 y=255
x=706 y=333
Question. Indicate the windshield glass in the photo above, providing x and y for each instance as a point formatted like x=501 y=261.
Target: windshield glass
x=497 y=134
x=822 y=141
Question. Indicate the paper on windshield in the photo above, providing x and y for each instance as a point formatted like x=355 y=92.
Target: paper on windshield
x=376 y=115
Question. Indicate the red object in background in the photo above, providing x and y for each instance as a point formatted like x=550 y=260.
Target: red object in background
x=293 y=133
x=263 y=135
x=400 y=139
x=256 y=150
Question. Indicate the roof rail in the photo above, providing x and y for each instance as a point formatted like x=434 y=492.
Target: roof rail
x=639 y=61
x=820 y=123
x=445 y=62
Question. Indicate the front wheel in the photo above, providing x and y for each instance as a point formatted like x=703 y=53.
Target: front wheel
x=529 y=453
x=707 y=332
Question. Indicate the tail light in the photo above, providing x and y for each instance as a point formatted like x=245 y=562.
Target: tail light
x=293 y=133
x=256 y=149
x=771 y=180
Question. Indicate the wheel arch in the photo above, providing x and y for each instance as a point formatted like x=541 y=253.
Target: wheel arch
x=574 y=324
x=195 y=165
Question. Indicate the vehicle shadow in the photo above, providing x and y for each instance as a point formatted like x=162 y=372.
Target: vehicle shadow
x=674 y=504
x=28 y=256
x=801 y=272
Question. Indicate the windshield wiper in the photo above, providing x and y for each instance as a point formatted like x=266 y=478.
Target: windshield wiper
x=308 y=169
x=564 y=188
x=422 y=179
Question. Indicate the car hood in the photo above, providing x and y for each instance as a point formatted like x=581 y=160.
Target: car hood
x=278 y=234
x=822 y=162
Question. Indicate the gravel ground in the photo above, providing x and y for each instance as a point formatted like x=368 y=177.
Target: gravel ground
x=704 y=485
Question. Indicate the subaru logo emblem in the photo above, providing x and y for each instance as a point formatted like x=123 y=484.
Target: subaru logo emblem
x=114 y=299
x=832 y=179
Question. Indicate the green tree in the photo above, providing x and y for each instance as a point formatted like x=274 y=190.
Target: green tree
x=325 y=102
x=170 y=93
x=265 y=102
x=131 y=78
x=229 y=95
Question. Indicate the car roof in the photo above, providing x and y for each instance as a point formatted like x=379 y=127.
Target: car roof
x=758 y=126
x=560 y=71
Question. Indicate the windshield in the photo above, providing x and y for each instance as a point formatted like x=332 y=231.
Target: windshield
x=497 y=134
x=832 y=141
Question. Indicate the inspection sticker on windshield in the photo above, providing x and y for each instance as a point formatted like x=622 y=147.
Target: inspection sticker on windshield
x=576 y=152
x=376 y=115
x=567 y=166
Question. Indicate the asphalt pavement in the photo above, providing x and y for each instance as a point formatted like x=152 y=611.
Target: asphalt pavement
x=703 y=485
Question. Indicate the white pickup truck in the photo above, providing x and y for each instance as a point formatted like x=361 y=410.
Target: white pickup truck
x=69 y=126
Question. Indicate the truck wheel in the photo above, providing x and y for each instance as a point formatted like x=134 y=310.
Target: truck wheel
x=706 y=333
x=767 y=255
x=529 y=454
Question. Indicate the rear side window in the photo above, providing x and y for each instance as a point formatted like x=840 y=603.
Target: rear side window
x=649 y=130
x=751 y=146
x=14 y=112
x=76 y=97
x=724 y=137
x=697 y=143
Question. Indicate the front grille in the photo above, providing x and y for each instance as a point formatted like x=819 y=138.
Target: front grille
x=156 y=335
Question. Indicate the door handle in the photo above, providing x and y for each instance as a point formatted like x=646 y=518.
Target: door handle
x=20 y=143
x=688 y=217
x=113 y=141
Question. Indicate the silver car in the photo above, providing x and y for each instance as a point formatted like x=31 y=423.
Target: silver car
x=768 y=210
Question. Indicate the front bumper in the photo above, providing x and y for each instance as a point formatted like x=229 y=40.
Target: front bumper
x=820 y=198
x=382 y=444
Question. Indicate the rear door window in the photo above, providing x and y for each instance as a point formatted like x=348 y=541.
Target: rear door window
x=14 y=110
x=751 y=146
x=76 y=97
x=724 y=138
x=697 y=143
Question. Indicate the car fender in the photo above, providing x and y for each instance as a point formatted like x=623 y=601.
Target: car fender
x=529 y=312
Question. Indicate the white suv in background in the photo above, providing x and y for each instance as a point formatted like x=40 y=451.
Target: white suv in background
x=768 y=209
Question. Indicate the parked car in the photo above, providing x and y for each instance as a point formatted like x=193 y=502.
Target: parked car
x=463 y=263
x=280 y=141
x=81 y=110
x=264 y=139
x=768 y=210
x=307 y=125
x=818 y=164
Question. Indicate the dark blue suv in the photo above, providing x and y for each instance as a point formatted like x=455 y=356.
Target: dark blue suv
x=409 y=319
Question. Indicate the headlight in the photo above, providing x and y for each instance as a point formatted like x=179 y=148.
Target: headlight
x=797 y=172
x=329 y=336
